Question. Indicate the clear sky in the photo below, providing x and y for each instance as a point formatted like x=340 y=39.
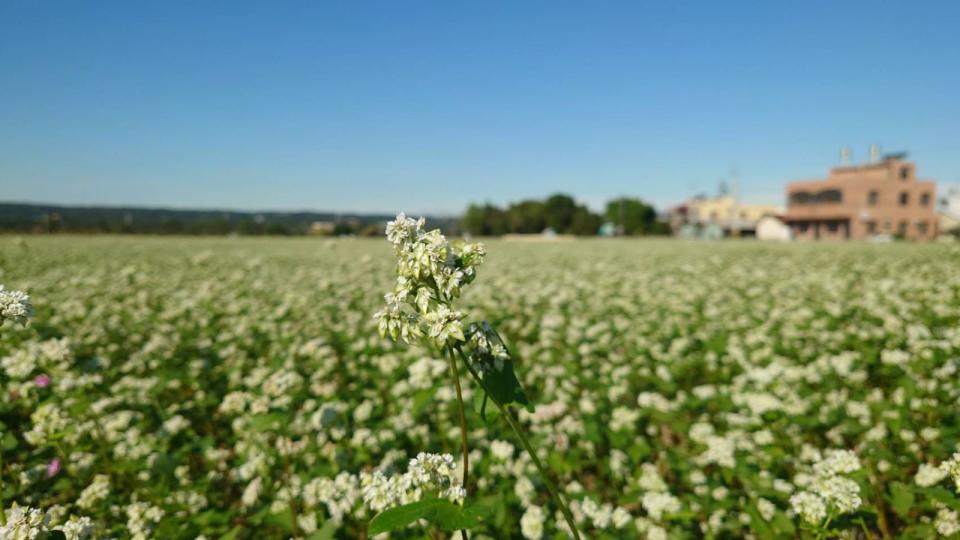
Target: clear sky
x=425 y=107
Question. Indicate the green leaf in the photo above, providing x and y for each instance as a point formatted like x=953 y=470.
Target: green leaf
x=901 y=498
x=484 y=407
x=56 y=535
x=782 y=524
x=440 y=512
x=422 y=400
x=758 y=525
x=326 y=532
x=484 y=508
x=210 y=518
x=282 y=519
x=233 y=533
x=504 y=387
x=941 y=494
x=267 y=422
x=9 y=441
x=496 y=369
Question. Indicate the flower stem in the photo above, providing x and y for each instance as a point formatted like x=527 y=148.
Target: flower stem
x=551 y=487
x=3 y=512
x=463 y=425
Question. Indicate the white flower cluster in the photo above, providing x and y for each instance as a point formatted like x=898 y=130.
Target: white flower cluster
x=427 y=473
x=95 y=492
x=339 y=494
x=26 y=523
x=657 y=500
x=828 y=491
x=140 y=519
x=23 y=523
x=601 y=516
x=952 y=467
x=531 y=524
x=947 y=522
x=930 y=475
x=15 y=306
x=430 y=273
x=659 y=503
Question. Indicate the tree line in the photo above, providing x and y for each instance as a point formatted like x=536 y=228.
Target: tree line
x=562 y=214
x=559 y=212
x=53 y=219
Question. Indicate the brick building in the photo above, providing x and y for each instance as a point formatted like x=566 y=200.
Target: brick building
x=859 y=201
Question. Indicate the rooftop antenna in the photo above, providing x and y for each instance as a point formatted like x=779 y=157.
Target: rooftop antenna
x=735 y=183
x=845 y=155
x=874 y=153
x=736 y=201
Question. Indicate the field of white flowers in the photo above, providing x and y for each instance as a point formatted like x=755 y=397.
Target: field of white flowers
x=238 y=388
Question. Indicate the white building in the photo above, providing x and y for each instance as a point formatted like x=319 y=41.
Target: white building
x=773 y=228
x=948 y=214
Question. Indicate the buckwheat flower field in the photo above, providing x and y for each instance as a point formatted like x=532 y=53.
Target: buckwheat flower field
x=241 y=388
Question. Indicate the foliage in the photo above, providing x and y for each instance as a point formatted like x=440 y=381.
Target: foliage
x=558 y=212
x=44 y=218
x=634 y=217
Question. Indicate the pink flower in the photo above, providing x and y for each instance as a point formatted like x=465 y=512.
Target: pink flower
x=53 y=467
x=42 y=381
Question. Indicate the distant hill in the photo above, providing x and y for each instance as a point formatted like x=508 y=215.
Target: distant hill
x=48 y=218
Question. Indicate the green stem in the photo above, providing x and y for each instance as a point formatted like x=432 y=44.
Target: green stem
x=292 y=505
x=3 y=512
x=554 y=492
x=463 y=425
x=824 y=531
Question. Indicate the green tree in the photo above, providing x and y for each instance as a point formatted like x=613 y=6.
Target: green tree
x=585 y=222
x=528 y=217
x=633 y=215
x=486 y=220
x=559 y=212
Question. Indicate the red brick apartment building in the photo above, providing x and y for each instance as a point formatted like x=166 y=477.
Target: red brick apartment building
x=860 y=201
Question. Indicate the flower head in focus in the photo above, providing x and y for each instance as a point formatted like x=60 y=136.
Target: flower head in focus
x=431 y=273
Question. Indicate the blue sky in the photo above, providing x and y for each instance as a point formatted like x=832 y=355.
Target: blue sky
x=425 y=107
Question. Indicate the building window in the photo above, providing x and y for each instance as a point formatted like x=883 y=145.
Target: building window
x=922 y=227
x=904 y=198
x=871 y=227
x=872 y=198
x=832 y=226
x=886 y=225
x=902 y=228
x=803 y=227
x=830 y=196
x=925 y=199
x=825 y=196
x=904 y=173
x=801 y=197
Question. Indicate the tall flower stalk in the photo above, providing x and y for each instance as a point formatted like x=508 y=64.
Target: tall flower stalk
x=431 y=273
